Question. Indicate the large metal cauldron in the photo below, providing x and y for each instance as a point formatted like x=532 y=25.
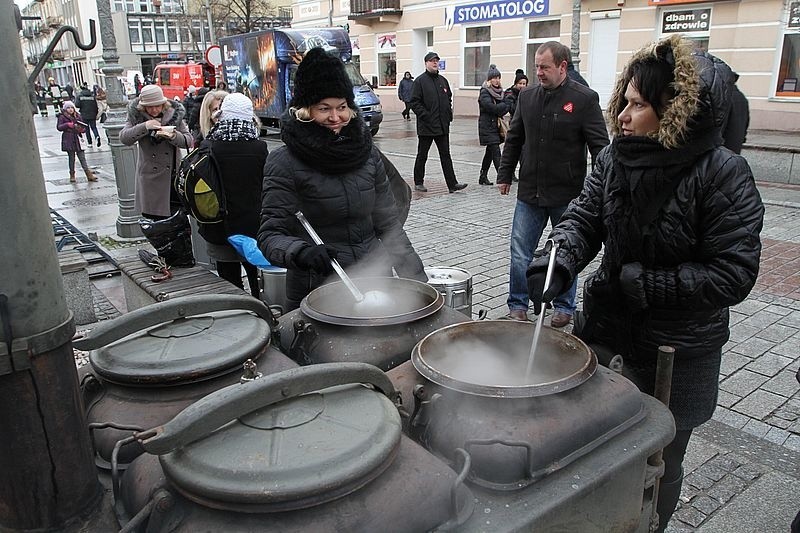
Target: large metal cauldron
x=330 y=327
x=564 y=449
x=149 y=364
x=308 y=449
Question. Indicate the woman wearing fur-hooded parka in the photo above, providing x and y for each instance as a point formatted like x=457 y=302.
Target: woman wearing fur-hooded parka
x=679 y=218
x=329 y=169
x=158 y=127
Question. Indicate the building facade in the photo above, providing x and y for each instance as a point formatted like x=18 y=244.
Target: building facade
x=759 y=39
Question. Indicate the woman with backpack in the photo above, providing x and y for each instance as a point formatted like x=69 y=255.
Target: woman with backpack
x=71 y=125
x=329 y=169
x=240 y=157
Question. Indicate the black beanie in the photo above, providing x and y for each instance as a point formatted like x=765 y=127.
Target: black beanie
x=520 y=76
x=321 y=75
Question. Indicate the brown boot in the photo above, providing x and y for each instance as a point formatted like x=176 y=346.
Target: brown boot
x=90 y=175
x=72 y=177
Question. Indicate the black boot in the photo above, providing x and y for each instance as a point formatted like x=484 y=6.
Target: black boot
x=668 y=495
x=484 y=180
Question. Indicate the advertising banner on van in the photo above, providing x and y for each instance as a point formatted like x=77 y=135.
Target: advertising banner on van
x=250 y=64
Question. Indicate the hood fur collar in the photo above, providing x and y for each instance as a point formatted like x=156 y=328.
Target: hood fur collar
x=702 y=86
x=172 y=115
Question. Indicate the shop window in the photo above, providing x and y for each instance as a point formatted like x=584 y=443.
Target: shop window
x=477 y=54
x=789 y=70
x=539 y=32
x=387 y=60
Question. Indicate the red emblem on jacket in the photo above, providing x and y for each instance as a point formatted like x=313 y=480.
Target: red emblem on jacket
x=568 y=107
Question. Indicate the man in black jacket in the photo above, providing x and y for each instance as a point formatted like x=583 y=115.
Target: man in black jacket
x=432 y=102
x=87 y=105
x=553 y=124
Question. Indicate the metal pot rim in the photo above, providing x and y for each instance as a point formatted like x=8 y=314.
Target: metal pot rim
x=436 y=302
x=429 y=371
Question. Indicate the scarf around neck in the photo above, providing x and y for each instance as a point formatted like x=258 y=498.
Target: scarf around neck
x=323 y=150
x=234 y=129
x=497 y=93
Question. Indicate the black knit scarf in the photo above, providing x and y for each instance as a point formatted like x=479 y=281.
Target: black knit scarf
x=646 y=176
x=323 y=150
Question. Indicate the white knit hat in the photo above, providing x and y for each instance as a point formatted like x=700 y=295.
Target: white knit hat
x=236 y=105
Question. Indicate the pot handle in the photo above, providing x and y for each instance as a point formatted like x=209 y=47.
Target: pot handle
x=159 y=313
x=220 y=407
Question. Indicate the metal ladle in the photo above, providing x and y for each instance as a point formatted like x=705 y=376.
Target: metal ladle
x=550 y=245
x=357 y=295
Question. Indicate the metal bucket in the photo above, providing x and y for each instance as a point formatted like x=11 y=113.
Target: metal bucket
x=273 y=286
x=455 y=285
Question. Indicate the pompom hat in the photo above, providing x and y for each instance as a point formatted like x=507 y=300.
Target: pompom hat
x=321 y=75
x=492 y=73
x=236 y=105
x=67 y=105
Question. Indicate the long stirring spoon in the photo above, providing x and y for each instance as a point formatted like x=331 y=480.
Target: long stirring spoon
x=357 y=295
x=551 y=245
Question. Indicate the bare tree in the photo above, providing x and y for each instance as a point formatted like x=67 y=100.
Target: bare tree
x=242 y=16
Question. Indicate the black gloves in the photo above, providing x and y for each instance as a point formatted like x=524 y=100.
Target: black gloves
x=558 y=284
x=316 y=258
x=631 y=283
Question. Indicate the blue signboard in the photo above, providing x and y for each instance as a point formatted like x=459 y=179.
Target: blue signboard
x=498 y=10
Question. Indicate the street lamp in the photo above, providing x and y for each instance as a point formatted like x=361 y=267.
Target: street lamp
x=124 y=157
x=575 y=45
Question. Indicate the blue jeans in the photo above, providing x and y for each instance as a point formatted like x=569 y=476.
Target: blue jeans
x=526 y=230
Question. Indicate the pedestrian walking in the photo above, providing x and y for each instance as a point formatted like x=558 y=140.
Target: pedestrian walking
x=158 y=128
x=87 y=105
x=404 y=93
x=189 y=102
x=240 y=156
x=137 y=84
x=679 y=220
x=492 y=106
x=41 y=99
x=207 y=113
x=102 y=106
x=553 y=125
x=511 y=94
x=432 y=103
x=71 y=125
x=330 y=170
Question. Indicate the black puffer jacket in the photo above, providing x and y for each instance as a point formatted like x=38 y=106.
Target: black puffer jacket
x=432 y=103
x=680 y=226
x=490 y=110
x=351 y=208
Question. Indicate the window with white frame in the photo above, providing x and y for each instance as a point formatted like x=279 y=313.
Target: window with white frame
x=387 y=59
x=477 y=54
x=161 y=32
x=789 y=67
x=539 y=31
x=134 y=32
x=172 y=31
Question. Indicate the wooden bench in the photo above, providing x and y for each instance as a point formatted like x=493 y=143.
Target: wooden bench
x=140 y=290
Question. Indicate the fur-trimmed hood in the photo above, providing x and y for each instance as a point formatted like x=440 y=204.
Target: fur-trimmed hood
x=702 y=91
x=172 y=115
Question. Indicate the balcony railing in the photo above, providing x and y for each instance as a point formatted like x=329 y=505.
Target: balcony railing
x=369 y=9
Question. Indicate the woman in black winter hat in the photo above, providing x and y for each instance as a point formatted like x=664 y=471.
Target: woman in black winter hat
x=492 y=106
x=329 y=169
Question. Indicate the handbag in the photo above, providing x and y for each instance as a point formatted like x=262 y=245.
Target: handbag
x=502 y=128
x=103 y=117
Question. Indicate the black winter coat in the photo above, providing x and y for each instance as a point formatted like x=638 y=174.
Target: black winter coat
x=353 y=212
x=87 y=104
x=240 y=164
x=735 y=130
x=553 y=128
x=432 y=103
x=404 y=89
x=490 y=110
x=679 y=227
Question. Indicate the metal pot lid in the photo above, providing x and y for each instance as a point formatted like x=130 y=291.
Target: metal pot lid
x=184 y=350
x=298 y=453
x=490 y=358
x=447 y=275
x=388 y=301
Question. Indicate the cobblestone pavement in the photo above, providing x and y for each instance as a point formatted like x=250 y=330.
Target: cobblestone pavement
x=743 y=467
